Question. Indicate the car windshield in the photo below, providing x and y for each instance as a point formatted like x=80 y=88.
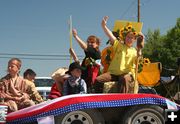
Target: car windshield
x=44 y=82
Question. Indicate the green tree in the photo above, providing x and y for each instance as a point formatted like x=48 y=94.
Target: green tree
x=163 y=48
x=153 y=45
x=172 y=44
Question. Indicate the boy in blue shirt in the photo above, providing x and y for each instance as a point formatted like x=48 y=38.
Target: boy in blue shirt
x=74 y=84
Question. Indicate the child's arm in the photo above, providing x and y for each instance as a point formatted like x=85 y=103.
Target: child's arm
x=107 y=31
x=140 y=43
x=140 y=40
x=73 y=54
x=82 y=44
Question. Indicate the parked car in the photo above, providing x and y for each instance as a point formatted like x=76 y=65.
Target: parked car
x=43 y=85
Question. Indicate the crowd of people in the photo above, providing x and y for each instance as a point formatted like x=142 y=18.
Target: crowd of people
x=19 y=92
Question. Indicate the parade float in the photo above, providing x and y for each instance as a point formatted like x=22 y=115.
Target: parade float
x=109 y=107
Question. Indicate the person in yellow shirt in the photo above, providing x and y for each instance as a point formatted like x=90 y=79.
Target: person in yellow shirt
x=123 y=64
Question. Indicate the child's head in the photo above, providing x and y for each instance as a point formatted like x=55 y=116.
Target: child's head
x=130 y=39
x=93 y=41
x=75 y=69
x=128 y=34
x=60 y=75
x=14 y=66
x=29 y=74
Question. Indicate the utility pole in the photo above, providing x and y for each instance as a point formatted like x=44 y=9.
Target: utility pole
x=138 y=11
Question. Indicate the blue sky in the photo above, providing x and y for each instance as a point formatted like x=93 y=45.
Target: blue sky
x=40 y=27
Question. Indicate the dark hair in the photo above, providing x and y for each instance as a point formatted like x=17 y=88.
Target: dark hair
x=29 y=72
x=73 y=66
x=95 y=39
x=116 y=34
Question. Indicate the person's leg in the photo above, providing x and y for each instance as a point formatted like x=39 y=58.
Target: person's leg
x=99 y=81
x=105 y=77
x=126 y=83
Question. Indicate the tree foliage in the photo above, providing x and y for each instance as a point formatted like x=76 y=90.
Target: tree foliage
x=163 y=48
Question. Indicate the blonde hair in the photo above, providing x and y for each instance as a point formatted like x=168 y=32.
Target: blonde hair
x=19 y=62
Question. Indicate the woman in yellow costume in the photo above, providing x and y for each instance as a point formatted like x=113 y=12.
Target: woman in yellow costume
x=123 y=64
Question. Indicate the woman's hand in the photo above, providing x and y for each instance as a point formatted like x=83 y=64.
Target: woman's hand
x=107 y=31
x=82 y=44
x=104 y=20
x=140 y=40
x=74 y=32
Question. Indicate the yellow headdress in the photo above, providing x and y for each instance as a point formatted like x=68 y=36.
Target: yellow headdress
x=124 y=27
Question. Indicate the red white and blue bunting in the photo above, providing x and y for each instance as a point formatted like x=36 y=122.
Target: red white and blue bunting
x=70 y=103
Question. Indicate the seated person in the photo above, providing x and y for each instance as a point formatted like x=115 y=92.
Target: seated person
x=13 y=87
x=74 y=84
x=59 y=77
x=29 y=76
x=123 y=65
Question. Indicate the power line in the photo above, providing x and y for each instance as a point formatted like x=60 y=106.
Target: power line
x=44 y=55
x=52 y=57
x=133 y=6
x=130 y=6
x=49 y=59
